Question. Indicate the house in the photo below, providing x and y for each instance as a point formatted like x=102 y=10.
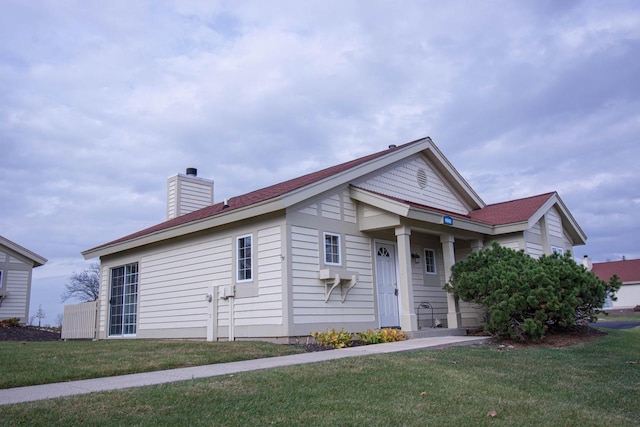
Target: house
x=16 y=265
x=361 y=245
x=628 y=271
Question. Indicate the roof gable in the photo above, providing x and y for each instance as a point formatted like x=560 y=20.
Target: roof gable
x=512 y=211
x=417 y=181
x=626 y=270
x=26 y=253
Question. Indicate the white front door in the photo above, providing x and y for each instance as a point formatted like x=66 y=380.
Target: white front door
x=387 y=285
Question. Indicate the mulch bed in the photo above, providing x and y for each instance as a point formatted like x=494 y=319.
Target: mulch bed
x=556 y=339
x=27 y=333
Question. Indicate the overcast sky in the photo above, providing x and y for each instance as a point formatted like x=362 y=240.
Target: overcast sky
x=100 y=102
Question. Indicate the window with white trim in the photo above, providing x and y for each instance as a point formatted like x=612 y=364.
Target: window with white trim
x=430 y=261
x=245 y=258
x=557 y=250
x=332 y=249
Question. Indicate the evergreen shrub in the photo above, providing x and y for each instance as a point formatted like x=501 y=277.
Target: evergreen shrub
x=525 y=297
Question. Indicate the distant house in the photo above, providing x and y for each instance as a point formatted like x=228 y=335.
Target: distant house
x=628 y=271
x=16 y=264
x=360 y=245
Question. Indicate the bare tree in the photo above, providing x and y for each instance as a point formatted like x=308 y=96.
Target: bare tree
x=83 y=286
x=59 y=320
x=40 y=314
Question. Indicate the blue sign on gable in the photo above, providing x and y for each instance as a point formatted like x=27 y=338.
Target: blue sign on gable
x=447 y=220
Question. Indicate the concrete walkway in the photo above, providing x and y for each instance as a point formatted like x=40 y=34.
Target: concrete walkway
x=51 y=391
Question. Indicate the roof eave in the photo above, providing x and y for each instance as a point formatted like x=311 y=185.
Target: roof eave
x=251 y=211
x=32 y=256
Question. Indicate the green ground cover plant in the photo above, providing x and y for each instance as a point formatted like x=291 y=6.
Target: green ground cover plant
x=592 y=384
x=340 y=339
x=30 y=363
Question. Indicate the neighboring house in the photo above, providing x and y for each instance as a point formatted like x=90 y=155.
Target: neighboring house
x=360 y=245
x=16 y=264
x=628 y=271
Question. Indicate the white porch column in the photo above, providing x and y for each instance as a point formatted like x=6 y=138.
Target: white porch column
x=408 y=319
x=476 y=245
x=454 y=319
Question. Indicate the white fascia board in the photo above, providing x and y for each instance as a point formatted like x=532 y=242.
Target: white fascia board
x=379 y=201
x=32 y=256
x=232 y=216
x=514 y=227
x=458 y=223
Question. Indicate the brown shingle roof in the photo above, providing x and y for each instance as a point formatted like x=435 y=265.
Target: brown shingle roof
x=626 y=270
x=510 y=212
x=256 y=196
x=513 y=211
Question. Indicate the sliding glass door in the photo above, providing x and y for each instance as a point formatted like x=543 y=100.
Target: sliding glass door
x=123 y=311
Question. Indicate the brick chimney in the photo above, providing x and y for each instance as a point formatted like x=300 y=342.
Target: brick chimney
x=187 y=193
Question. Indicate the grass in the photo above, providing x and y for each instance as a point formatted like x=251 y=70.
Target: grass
x=620 y=316
x=31 y=363
x=592 y=384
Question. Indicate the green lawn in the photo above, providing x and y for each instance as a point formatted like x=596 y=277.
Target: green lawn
x=30 y=363
x=592 y=384
x=620 y=316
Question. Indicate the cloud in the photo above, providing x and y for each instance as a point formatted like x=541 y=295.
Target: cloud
x=101 y=102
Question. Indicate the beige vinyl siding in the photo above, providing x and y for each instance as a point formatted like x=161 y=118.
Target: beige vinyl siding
x=359 y=261
x=174 y=282
x=16 y=282
x=15 y=305
x=187 y=194
x=536 y=229
x=330 y=208
x=554 y=223
x=338 y=207
x=348 y=208
x=312 y=209
x=511 y=242
x=427 y=288
x=402 y=182
x=266 y=308
x=194 y=196
x=535 y=250
x=172 y=197
x=308 y=293
x=305 y=260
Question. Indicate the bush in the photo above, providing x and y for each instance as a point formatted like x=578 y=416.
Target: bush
x=333 y=338
x=382 y=335
x=524 y=296
x=13 y=322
